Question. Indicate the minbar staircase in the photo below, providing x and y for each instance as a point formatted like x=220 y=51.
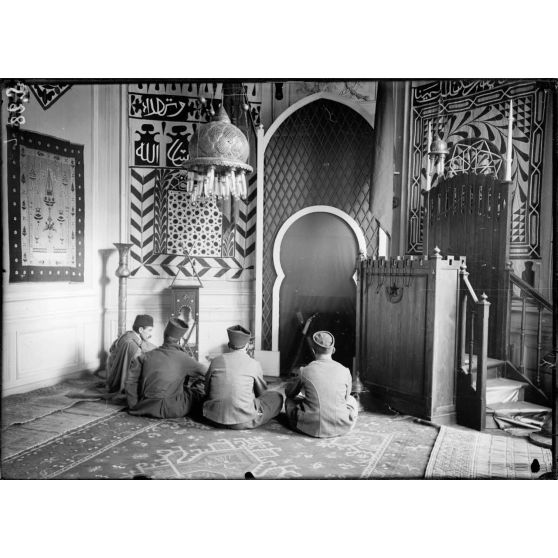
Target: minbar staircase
x=513 y=385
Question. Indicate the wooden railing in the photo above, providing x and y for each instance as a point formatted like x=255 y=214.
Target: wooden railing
x=472 y=346
x=527 y=295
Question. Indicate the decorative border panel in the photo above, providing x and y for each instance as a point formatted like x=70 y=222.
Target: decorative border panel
x=47 y=95
x=463 y=113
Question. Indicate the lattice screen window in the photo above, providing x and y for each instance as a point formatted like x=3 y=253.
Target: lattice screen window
x=198 y=227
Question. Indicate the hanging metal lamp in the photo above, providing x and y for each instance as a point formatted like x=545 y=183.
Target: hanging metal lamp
x=217 y=164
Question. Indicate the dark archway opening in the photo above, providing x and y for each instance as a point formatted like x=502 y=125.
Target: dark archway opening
x=318 y=256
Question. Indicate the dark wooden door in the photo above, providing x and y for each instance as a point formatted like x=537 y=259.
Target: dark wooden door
x=318 y=257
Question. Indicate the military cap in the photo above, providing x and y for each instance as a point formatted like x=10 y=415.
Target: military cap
x=176 y=328
x=324 y=339
x=238 y=336
x=142 y=320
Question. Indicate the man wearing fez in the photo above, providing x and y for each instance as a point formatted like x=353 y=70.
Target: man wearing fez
x=157 y=384
x=235 y=388
x=124 y=349
x=319 y=401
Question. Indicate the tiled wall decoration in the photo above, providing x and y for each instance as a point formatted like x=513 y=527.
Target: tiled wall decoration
x=219 y=235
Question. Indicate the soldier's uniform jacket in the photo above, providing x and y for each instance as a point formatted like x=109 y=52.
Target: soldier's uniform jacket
x=156 y=381
x=233 y=382
x=327 y=409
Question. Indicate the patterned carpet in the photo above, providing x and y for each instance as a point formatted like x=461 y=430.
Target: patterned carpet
x=466 y=454
x=122 y=446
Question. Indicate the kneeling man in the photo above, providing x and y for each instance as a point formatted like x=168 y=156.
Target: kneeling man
x=235 y=388
x=157 y=384
x=124 y=349
x=319 y=401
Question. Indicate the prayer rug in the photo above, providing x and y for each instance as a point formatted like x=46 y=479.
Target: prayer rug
x=124 y=446
x=23 y=408
x=466 y=454
x=21 y=437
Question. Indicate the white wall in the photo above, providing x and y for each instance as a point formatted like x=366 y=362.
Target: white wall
x=54 y=329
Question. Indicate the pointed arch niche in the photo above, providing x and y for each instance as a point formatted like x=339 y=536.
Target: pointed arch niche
x=316 y=154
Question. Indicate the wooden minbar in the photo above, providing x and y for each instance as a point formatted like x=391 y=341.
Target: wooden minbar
x=408 y=332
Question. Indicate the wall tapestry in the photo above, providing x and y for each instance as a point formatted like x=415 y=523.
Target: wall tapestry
x=47 y=95
x=219 y=235
x=472 y=117
x=45 y=207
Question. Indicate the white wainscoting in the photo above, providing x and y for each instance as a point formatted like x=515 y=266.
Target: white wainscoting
x=41 y=349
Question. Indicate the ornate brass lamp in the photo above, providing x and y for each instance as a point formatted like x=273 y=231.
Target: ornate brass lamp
x=217 y=165
x=437 y=153
x=435 y=161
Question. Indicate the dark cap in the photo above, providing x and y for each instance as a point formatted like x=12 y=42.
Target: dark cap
x=238 y=336
x=142 y=320
x=324 y=339
x=175 y=328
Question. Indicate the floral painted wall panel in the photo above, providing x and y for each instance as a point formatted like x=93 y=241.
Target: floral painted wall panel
x=472 y=117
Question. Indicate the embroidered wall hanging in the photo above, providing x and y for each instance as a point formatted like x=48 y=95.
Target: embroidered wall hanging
x=472 y=117
x=45 y=207
x=47 y=95
x=219 y=236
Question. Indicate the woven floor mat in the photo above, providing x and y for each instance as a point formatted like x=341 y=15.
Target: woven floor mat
x=22 y=437
x=466 y=454
x=26 y=407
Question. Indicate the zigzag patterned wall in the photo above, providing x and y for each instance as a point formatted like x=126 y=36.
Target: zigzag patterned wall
x=462 y=112
x=158 y=201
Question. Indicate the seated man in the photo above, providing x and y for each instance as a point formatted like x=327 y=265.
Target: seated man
x=235 y=388
x=318 y=400
x=157 y=383
x=124 y=349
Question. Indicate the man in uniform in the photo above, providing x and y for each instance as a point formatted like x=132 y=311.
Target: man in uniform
x=124 y=349
x=157 y=384
x=235 y=388
x=319 y=402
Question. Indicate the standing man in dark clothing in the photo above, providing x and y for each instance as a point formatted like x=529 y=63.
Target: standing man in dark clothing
x=235 y=388
x=124 y=349
x=319 y=401
x=157 y=384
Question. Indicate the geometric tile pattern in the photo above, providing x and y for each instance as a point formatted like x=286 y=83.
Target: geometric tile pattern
x=474 y=157
x=465 y=112
x=195 y=225
x=151 y=254
x=320 y=155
